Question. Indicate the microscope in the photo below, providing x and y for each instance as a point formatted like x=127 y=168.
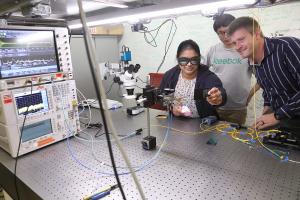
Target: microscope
x=125 y=75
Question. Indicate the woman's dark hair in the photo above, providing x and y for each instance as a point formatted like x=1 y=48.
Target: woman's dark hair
x=188 y=44
x=222 y=20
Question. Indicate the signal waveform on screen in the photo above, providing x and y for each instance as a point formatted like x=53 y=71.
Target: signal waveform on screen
x=25 y=44
x=20 y=64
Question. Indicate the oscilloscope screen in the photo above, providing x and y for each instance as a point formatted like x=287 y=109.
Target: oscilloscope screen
x=28 y=102
x=27 y=52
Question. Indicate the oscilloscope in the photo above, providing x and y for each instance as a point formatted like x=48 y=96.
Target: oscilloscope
x=52 y=115
x=36 y=82
x=38 y=54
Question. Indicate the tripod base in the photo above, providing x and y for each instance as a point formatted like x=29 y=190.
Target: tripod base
x=149 y=143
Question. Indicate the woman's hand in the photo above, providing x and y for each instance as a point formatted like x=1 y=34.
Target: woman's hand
x=176 y=110
x=181 y=111
x=214 y=96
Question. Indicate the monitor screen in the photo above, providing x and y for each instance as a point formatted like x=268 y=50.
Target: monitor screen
x=36 y=130
x=32 y=102
x=27 y=52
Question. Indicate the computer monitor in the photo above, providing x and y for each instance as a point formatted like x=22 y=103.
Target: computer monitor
x=27 y=52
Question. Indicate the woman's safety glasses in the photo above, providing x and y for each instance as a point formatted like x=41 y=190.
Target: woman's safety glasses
x=184 y=61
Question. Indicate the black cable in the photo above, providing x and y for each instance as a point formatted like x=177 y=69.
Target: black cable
x=93 y=125
x=98 y=134
x=157 y=29
x=167 y=47
x=95 y=83
x=137 y=132
x=146 y=38
x=168 y=43
x=153 y=38
x=110 y=87
x=120 y=90
x=19 y=145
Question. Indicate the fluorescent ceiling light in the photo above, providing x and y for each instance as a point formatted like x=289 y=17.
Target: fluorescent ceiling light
x=110 y=3
x=204 y=8
x=93 y=5
x=35 y=38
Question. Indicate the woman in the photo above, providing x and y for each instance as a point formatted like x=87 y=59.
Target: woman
x=189 y=78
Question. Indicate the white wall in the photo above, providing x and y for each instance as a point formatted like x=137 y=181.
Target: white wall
x=82 y=73
x=280 y=19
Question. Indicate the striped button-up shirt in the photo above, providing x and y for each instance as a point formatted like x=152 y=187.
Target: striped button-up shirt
x=279 y=76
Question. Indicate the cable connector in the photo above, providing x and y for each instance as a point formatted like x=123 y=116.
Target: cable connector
x=284 y=158
x=138 y=131
x=237 y=126
x=252 y=141
x=209 y=120
x=94 y=125
x=242 y=133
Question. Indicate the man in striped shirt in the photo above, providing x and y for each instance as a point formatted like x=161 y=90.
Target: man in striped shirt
x=277 y=67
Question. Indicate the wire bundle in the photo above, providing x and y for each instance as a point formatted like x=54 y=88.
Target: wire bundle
x=153 y=35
